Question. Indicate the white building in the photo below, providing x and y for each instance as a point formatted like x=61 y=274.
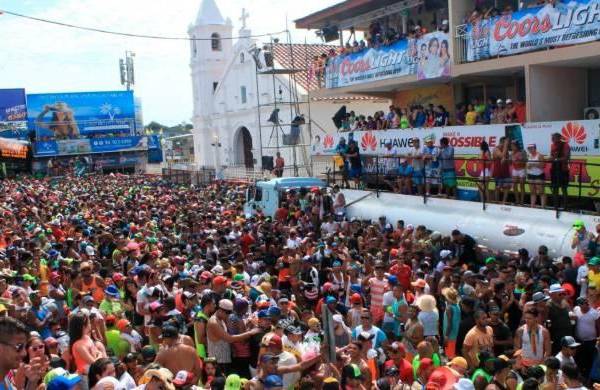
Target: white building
x=224 y=77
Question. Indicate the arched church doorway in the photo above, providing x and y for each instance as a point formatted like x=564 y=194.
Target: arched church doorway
x=243 y=148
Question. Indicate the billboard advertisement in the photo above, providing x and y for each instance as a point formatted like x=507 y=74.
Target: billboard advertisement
x=564 y=23
x=13 y=113
x=69 y=115
x=11 y=148
x=89 y=146
x=427 y=57
x=583 y=138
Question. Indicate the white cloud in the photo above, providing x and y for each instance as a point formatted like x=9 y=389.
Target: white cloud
x=47 y=58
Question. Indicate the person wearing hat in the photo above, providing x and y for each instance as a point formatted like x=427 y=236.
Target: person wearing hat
x=177 y=356
x=581 y=237
x=38 y=316
x=155 y=379
x=352 y=377
x=568 y=348
x=183 y=379
x=64 y=382
x=218 y=340
x=558 y=317
x=133 y=338
x=111 y=304
x=397 y=358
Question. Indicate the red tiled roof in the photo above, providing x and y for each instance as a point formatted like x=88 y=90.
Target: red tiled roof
x=300 y=56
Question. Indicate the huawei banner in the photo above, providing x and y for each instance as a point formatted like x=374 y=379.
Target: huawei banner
x=565 y=23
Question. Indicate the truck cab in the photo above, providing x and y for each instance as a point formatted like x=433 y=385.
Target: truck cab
x=266 y=196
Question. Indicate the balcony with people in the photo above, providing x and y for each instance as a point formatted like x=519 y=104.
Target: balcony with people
x=400 y=39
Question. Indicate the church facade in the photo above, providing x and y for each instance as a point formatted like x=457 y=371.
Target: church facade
x=227 y=91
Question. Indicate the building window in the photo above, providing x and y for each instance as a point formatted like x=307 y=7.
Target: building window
x=215 y=85
x=242 y=58
x=215 y=42
x=244 y=96
x=194 y=47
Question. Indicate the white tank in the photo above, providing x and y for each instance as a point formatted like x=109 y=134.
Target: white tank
x=497 y=227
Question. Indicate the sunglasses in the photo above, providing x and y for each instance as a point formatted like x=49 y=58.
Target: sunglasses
x=37 y=347
x=17 y=347
x=227 y=311
x=365 y=318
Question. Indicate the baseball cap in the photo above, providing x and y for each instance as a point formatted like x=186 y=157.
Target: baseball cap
x=355 y=298
x=226 y=304
x=459 y=361
x=122 y=324
x=183 y=378
x=233 y=382
x=578 y=224
x=220 y=280
x=273 y=381
x=63 y=382
x=272 y=340
x=569 y=341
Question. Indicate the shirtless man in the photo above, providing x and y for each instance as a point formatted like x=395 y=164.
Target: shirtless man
x=176 y=356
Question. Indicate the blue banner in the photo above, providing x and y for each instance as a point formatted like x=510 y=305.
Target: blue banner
x=565 y=23
x=12 y=105
x=89 y=146
x=69 y=115
x=427 y=57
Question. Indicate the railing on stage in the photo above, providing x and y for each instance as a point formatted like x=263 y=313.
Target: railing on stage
x=583 y=188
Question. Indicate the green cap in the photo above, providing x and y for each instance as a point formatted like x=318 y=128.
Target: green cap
x=578 y=224
x=594 y=261
x=490 y=260
x=28 y=278
x=238 y=278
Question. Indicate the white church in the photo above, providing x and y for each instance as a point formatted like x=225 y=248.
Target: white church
x=231 y=79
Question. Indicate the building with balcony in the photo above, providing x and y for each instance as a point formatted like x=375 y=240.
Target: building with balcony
x=546 y=56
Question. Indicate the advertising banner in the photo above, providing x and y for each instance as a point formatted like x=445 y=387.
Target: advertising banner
x=583 y=138
x=63 y=115
x=12 y=105
x=88 y=146
x=565 y=23
x=11 y=148
x=427 y=57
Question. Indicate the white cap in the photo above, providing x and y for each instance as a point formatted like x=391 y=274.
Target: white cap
x=508 y=101
x=499 y=101
x=226 y=304
x=445 y=253
x=445 y=21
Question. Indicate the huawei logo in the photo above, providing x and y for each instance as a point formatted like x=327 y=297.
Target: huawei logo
x=368 y=141
x=574 y=131
x=328 y=141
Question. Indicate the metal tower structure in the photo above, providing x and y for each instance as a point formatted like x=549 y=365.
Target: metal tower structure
x=278 y=134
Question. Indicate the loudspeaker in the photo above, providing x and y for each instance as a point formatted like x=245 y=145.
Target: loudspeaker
x=267 y=163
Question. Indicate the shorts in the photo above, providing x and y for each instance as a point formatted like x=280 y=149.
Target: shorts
x=520 y=173
x=536 y=179
x=450 y=348
x=417 y=178
x=448 y=178
x=355 y=172
x=559 y=178
x=503 y=182
x=432 y=175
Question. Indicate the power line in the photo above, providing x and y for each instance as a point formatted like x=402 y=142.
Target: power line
x=99 y=30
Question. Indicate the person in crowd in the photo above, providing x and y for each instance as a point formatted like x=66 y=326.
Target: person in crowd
x=405 y=305
x=501 y=169
x=447 y=168
x=518 y=163
x=353 y=155
x=560 y=154
x=535 y=175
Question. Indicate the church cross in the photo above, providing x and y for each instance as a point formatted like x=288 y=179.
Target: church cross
x=244 y=17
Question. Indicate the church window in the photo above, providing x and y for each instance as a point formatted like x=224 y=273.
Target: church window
x=242 y=58
x=194 y=46
x=244 y=95
x=215 y=42
x=215 y=85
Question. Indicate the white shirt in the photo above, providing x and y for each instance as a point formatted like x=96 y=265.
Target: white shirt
x=127 y=381
x=563 y=359
x=330 y=227
x=290 y=379
x=293 y=243
x=586 y=323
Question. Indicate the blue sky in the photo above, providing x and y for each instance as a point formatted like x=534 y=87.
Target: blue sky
x=45 y=58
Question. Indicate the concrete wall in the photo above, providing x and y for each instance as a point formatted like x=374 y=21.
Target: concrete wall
x=555 y=93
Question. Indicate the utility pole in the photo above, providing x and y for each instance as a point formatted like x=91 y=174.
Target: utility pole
x=126 y=70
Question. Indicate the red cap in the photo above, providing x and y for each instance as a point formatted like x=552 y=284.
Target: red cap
x=54 y=275
x=118 y=277
x=394 y=252
x=122 y=324
x=110 y=319
x=327 y=286
x=206 y=275
x=220 y=280
x=272 y=340
x=426 y=363
x=355 y=298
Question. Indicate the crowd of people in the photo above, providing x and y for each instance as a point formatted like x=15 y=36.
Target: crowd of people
x=495 y=111
x=129 y=282
x=486 y=9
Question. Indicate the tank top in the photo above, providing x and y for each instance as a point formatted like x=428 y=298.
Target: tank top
x=527 y=347
x=429 y=320
x=97 y=292
x=532 y=164
x=200 y=348
x=81 y=365
x=451 y=329
x=219 y=349
x=500 y=169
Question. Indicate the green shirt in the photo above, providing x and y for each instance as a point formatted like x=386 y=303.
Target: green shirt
x=116 y=344
x=111 y=307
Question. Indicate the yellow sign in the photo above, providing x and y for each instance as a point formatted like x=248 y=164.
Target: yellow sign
x=12 y=149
